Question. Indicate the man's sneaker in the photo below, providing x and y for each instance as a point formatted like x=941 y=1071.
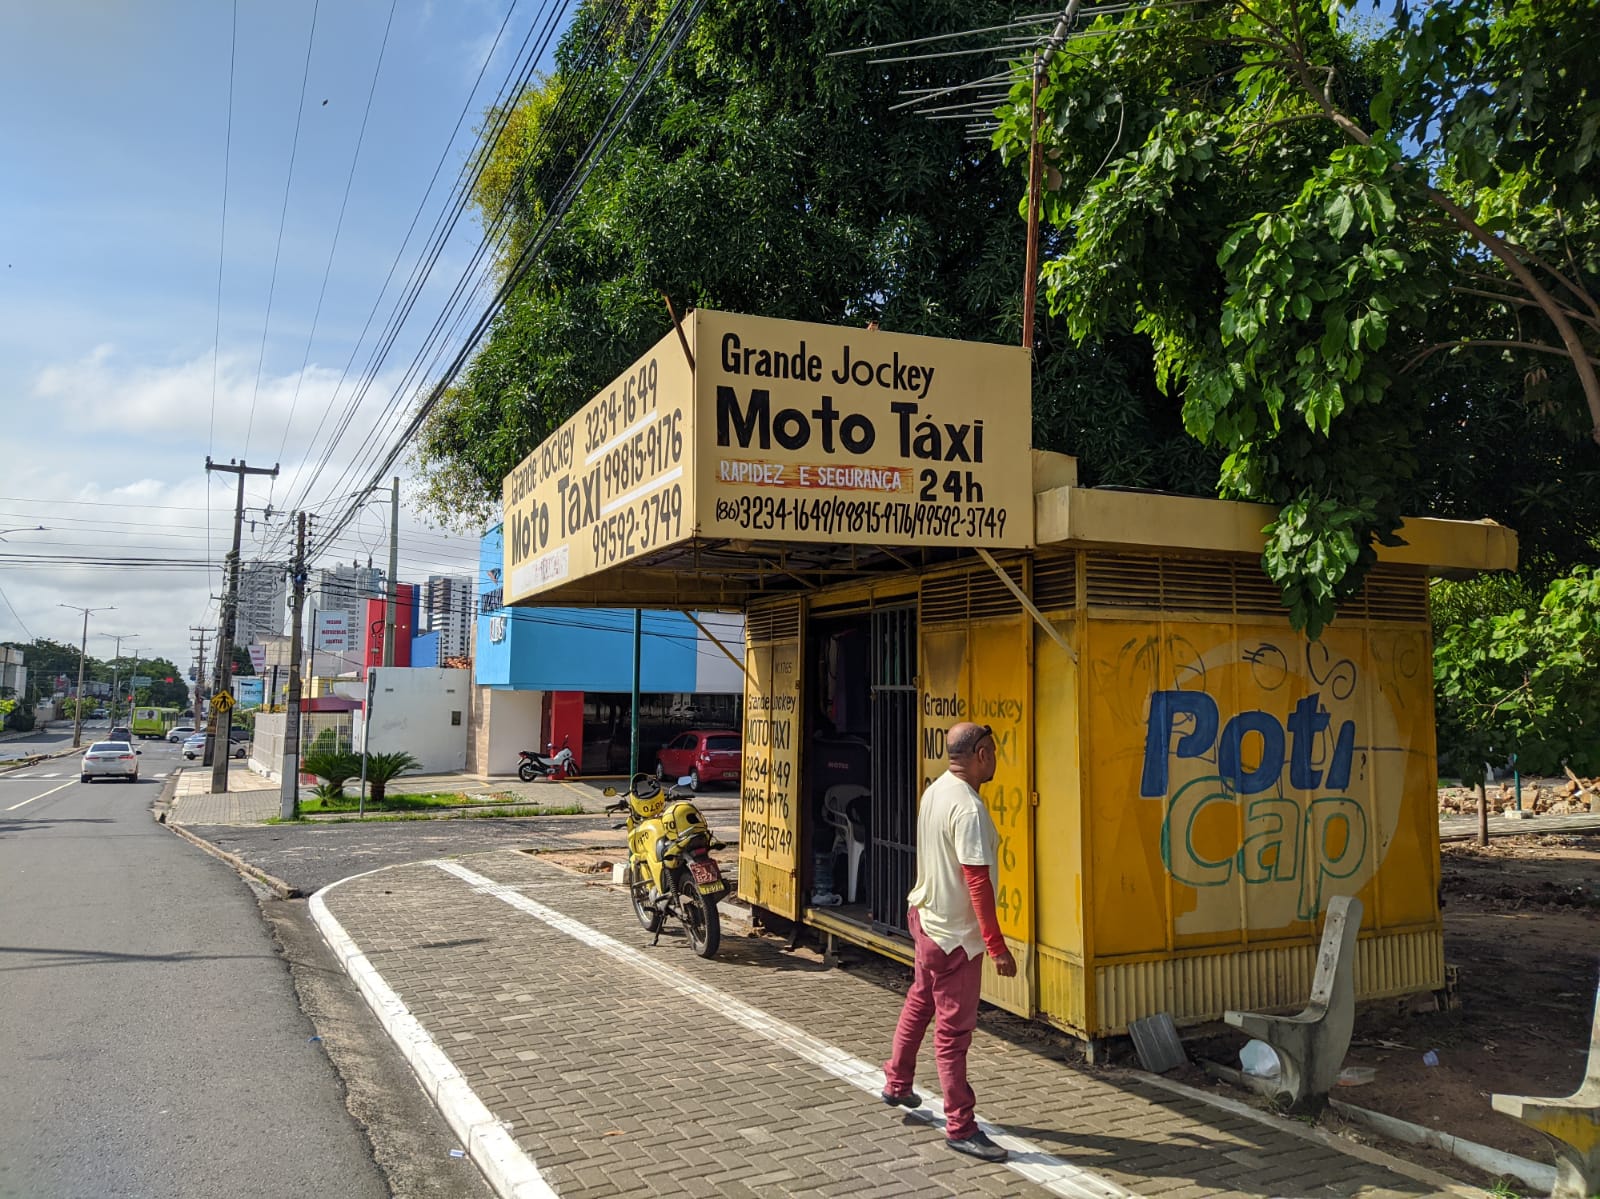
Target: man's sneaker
x=826 y=899
x=978 y=1145
x=909 y=1099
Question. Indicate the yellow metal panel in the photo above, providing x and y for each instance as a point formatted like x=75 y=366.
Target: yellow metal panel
x=1061 y=993
x=1058 y=818
x=1200 y=986
x=769 y=811
x=614 y=482
x=853 y=436
x=1242 y=777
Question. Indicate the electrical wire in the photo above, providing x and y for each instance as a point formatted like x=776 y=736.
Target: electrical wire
x=627 y=98
x=222 y=247
x=283 y=217
x=338 y=226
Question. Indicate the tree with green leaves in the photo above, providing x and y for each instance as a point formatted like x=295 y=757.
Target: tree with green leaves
x=1359 y=252
x=764 y=173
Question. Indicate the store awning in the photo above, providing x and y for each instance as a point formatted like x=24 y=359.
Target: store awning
x=743 y=457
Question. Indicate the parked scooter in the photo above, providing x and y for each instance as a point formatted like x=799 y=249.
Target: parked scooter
x=670 y=868
x=562 y=765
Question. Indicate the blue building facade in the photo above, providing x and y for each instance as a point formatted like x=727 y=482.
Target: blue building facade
x=581 y=660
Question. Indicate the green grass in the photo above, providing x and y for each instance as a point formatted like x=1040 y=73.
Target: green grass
x=435 y=811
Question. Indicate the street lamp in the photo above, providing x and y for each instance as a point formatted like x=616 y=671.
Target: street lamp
x=25 y=529
x=116 y=669
x=83 y=652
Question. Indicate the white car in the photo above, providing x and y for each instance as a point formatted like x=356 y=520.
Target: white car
x=110 y=759
x=195 y=746
x=180 y=732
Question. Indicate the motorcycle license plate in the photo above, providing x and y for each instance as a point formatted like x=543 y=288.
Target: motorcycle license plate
x=707 y=875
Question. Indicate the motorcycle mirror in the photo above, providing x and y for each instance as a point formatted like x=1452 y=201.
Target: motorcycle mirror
x=609 y=791
x=686 y=780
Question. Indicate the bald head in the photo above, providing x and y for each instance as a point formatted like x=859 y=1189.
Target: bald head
x=972 y=752
x=963 y=738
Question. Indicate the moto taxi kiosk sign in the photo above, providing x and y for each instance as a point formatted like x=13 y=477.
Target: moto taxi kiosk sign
x=782 y=431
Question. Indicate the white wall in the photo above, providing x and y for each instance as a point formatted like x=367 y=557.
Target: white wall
x=266 y=744
x=715 y=672
x=514 y=718
x=421 y=710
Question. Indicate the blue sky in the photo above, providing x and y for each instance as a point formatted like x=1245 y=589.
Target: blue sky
x=111 y=221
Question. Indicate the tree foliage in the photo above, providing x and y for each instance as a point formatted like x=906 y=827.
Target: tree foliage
x=1517 y=677
x=763 y=174
x=1319 y=228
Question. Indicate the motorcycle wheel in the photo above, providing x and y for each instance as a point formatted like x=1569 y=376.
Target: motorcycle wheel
x=700 y=919
x=649 y=917
x=525 y=772
x=572 y=770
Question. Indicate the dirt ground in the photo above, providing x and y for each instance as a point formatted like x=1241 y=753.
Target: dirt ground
x=1522 y=944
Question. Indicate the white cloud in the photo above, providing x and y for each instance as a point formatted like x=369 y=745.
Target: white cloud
x=110 y=456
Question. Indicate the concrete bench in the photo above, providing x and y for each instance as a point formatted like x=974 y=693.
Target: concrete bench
x=1572 y=1125
x=1311 y=1045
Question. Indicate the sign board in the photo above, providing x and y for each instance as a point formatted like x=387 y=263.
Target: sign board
x=782 y=432
x=333 y=634
x=221 y=702
x=258 y=658
x=250 y=691
x=141 y=680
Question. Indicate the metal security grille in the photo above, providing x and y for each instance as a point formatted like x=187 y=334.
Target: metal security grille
x=893 y=855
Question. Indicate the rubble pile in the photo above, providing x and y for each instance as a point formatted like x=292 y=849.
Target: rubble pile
x=1542 y=796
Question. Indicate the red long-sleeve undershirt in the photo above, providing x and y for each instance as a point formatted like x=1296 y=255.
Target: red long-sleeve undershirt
x=981 y=888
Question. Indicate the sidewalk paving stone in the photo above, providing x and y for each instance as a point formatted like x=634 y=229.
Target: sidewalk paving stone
x=640 y=1070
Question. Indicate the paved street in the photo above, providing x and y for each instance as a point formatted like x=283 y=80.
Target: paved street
x=154 y=1045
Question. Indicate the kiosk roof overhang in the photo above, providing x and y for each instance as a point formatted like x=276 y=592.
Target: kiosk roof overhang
x=1156 y=521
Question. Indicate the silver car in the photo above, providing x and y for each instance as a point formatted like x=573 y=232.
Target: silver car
x=110 y=759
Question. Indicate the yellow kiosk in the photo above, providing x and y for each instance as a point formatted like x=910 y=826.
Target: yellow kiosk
x=1183 y=782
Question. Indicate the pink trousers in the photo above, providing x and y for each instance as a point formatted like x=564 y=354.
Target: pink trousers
x=944 y=987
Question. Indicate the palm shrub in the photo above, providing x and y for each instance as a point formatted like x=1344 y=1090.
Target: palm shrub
x=383 y=767
x=335 y=766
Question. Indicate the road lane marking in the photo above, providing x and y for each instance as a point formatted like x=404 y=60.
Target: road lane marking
x=41 y=795
x=489 y=1143
x=1054 y=1174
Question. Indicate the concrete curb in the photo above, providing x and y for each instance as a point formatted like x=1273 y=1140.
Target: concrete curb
x=24 y=763
x=508 y=1169
x=1536 y=1175
x=1441 y=1183
x=280 y=888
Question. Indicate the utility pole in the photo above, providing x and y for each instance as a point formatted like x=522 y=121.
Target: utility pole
x=199 y=671
x=394 y=569
x=1041 y=63
x=289 y=794
x=83 y=653
x=221 y=751
x=116 y=670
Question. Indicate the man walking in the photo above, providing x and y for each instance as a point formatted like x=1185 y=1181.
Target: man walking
x=952 y=921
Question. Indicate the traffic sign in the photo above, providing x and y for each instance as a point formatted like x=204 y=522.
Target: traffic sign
x=221 y=702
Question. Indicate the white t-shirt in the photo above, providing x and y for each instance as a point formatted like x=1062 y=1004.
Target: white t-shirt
x=954 y=829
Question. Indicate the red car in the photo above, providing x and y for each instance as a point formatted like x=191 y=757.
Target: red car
x=705 y=755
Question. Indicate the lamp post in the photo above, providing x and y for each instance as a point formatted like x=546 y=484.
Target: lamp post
x=116 y=670
x=25 y=529
x=83 y=652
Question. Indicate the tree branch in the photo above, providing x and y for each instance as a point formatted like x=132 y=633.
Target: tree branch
x=1417 y=360
x=1522 y=302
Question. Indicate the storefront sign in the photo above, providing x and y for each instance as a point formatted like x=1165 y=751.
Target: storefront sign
x=782 y=432
x=822 y=433
x=612 y=483
x=333 y=634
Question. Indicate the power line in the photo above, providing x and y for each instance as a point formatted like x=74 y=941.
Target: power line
x=222 y=247
x=283 y=216
x=338 y=226
x=14 y=615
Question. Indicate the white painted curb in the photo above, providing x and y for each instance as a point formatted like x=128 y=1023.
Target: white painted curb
x=509 y=1170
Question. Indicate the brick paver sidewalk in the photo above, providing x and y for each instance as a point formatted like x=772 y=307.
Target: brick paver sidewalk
x=622 y=1069
x=250 y=798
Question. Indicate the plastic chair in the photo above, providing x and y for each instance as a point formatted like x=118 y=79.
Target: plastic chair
x=849 y=833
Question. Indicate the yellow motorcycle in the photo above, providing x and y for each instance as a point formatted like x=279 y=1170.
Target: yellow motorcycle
x=670 y=868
